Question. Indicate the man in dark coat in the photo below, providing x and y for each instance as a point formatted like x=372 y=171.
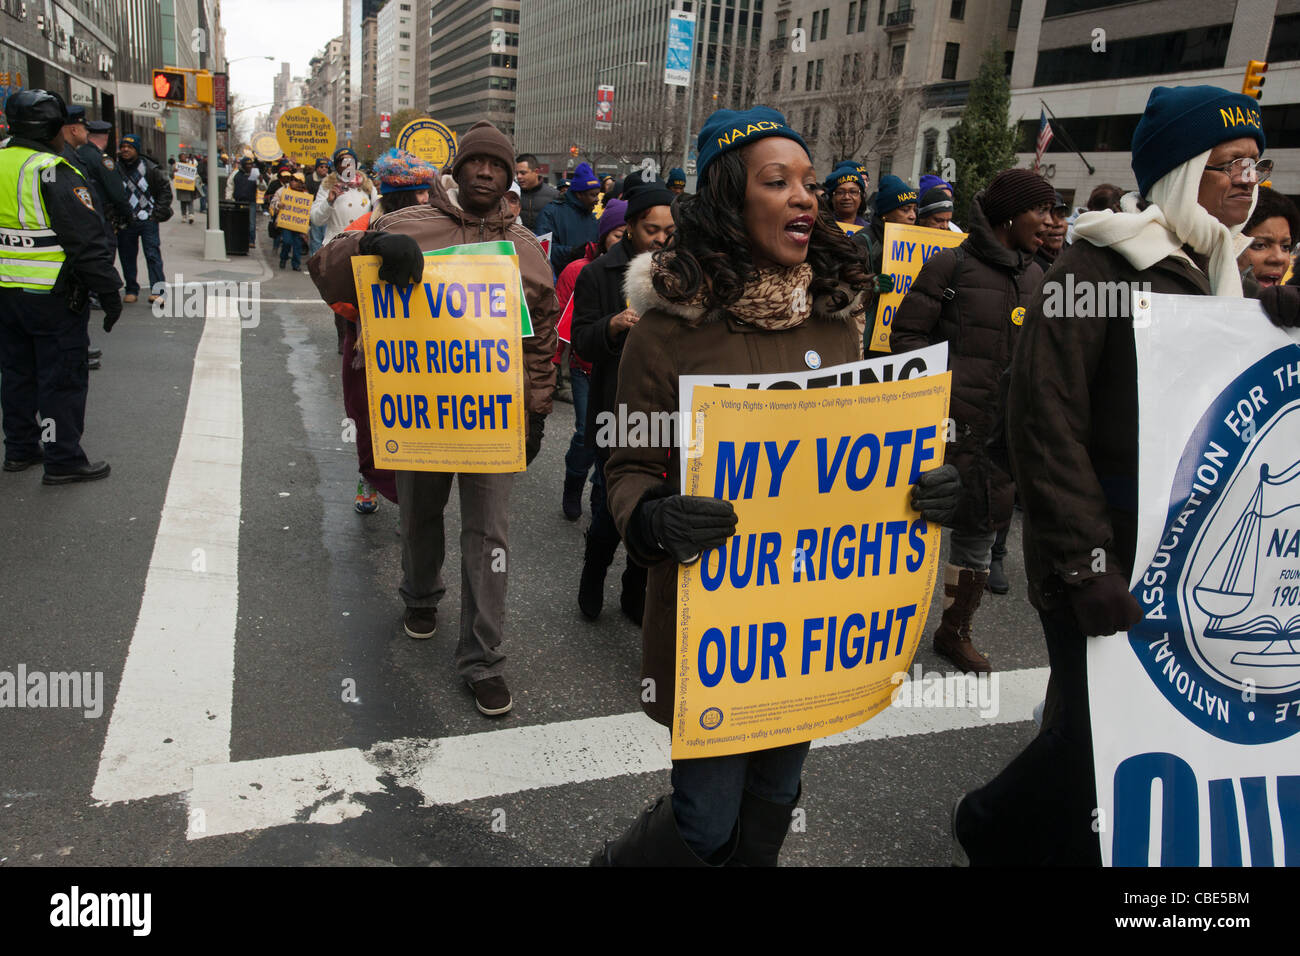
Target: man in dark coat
x=570 y=220
x=1073 y=433
x=974 y=297
x=601 y=320
x=149 y=194
x=535 y=193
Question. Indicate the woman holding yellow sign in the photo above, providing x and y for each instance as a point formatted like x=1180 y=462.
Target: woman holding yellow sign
x=754 y=280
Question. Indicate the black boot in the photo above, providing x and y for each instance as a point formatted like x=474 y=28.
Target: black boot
x=763 y=826
x=653 y=840
x=572 y=503
x=591 y=588
x=633 y=596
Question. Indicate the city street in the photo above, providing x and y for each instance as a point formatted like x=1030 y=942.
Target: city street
x=260 y=702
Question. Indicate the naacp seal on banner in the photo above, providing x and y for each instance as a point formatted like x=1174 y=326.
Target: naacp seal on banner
x=1221 y=595
x=711 y=718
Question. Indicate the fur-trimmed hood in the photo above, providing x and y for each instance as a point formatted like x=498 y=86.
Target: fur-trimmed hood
x=639 y=290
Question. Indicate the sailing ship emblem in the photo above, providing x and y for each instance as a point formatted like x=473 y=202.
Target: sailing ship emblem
x=1251 y=589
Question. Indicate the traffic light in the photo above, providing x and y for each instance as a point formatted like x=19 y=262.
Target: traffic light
x=169 y=85
x=1253 y=85
x=203 y=88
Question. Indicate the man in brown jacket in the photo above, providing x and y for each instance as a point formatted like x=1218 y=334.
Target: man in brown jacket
x=466 y=207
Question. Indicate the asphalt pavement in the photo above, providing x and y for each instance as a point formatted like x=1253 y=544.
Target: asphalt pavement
x=348 y=742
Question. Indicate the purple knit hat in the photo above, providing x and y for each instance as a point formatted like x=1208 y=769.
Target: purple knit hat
x=615 y=215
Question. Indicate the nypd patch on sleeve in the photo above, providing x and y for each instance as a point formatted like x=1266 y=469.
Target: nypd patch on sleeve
x=108 y=163
x=84 y=195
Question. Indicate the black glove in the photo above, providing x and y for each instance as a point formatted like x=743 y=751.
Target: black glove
x=685 y=525
x=112 y=303
x=533 y=436
x=884 y=282
x=1282 y=303
x=403 y=262
x=1103 y=605
x=937 y=494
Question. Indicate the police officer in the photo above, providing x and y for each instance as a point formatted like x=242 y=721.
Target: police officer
x=53 y=251
x=105 y=184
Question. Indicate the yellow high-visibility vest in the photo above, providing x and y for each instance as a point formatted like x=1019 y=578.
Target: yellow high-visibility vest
x=31 y=254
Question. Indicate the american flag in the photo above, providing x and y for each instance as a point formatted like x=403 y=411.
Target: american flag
x=1044 y=137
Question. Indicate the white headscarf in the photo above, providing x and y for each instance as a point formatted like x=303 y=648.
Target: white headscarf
x=1173 y=219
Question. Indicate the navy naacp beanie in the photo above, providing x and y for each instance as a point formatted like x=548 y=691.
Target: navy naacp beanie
x=726 y=130
x=892 y=193
x=1181 y=122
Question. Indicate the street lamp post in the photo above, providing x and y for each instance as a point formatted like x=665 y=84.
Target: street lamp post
x=214 y=243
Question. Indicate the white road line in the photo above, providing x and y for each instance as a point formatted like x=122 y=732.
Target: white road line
x=173 y=705
x=324 y=787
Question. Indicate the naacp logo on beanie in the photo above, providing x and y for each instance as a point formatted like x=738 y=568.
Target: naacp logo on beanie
x=1181 y=122
x=726 y=130
x=892 y=193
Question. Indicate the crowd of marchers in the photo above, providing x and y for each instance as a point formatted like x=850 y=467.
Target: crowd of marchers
x=763 y=266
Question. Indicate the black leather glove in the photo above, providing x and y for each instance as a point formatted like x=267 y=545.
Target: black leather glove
x=1103 y=605
x=685 y=525
x=403 y=262
x=884 y=282
x=937 y=494
x=533 y=436
x=112 y=303
x=1282 y=303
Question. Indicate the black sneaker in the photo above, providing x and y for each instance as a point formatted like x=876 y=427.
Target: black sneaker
x=492 y=696
x=95 y=353
x=91 y=471
x=22 y=464
x=420 y=622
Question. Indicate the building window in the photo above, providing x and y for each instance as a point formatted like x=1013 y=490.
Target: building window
x=1200 y=48
x=794 y=78
x=930 y=151
x=857 y=68
x=817 y=120
x=896 y=60
x=880 y=19
x=817 y=19
x=776 y=79
x=853 y=11
x=844 y=70
x=891 y=124
x=808 y=78
x=1013 y=18
x=1008 y=56
x=818 y=84
x=950 y=53
x=875 y=65
x=886 y=165
x=958 y=12
x=862 y=16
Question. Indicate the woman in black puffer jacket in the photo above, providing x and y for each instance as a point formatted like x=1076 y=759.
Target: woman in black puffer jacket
x=974 y=298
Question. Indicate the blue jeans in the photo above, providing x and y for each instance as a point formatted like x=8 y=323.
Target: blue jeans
x=252 y=222
x=707 y=791
x=129 y=241
x=579 y=458
x=315 y=239
x=294 y=242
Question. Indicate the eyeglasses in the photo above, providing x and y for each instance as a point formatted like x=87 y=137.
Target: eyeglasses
x=846 y=191
x=1250 y=170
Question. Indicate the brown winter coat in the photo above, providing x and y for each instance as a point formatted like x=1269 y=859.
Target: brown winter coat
x=980 y=326
x=1072 y=418
x=444 y=223
x=671 y=340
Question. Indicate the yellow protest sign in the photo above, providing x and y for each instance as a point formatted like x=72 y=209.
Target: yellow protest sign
x=849 y=228
x=266 y=148
x=295 y=210
x=428 y=139
x=444 y=365
x=305 y=133
x=907 y=248
x=186 y=176
x=796 y=627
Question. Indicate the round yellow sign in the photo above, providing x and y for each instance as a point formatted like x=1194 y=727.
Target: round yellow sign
x=266 y=148
x=1018 y=315
x=305 y=134
x=428 y=139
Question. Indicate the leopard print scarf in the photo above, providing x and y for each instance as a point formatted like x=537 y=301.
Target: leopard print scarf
x=773 y=298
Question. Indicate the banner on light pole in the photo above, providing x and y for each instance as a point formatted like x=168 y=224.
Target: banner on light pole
x=604 y=107
x=681 y=41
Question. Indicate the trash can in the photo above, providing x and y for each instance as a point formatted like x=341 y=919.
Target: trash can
x=233 y=219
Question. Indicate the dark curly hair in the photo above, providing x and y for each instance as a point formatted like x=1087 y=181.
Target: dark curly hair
x=711 y=238
x=1270 y=204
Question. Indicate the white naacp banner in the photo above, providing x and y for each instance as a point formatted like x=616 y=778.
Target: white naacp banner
x=1196 y=711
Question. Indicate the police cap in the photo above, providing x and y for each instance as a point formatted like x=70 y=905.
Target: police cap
x=99 y=126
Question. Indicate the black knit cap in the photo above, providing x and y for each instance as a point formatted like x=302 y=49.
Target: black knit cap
x=642 y=196
x=1014 y=191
